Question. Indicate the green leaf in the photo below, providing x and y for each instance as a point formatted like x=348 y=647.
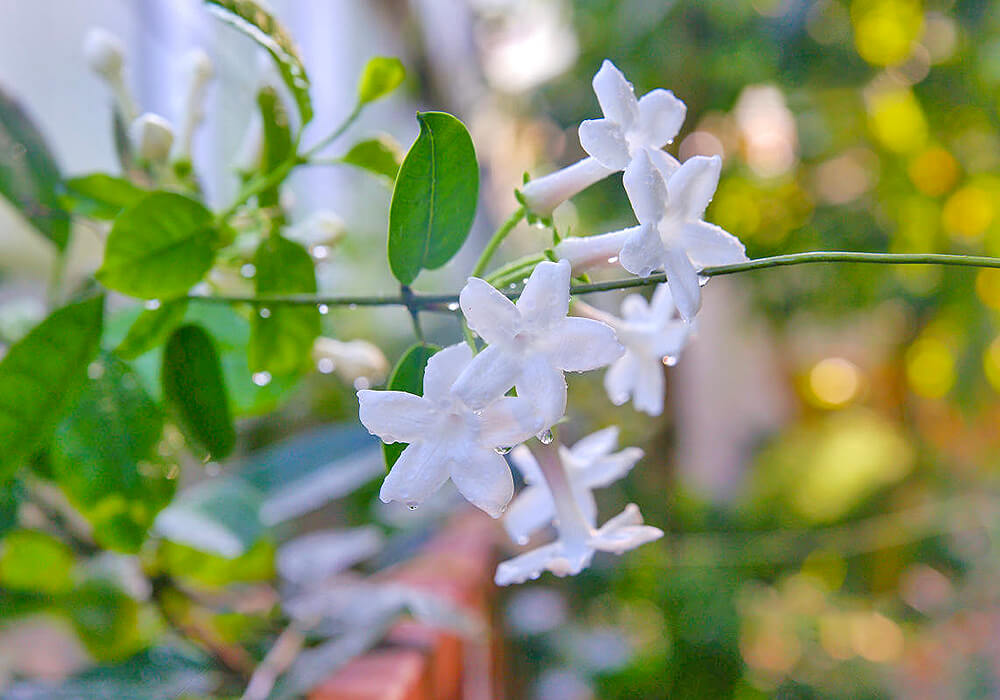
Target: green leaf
x=11 y=496
x=29 y=176
x=159 y=247
x=380 y=156
x=278 y=146
x=434 y=200
x=194 y=388
x=40 y=375
x=103 y=457
x=408 y=376
x=101 y=196
x=380 y=76
x=252 y=19
x=35 y=561
x=281 y=343
x=220 y=517
x=105 y=619
x=151 y=328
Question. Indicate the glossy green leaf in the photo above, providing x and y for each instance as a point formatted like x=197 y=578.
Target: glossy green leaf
x=278 y=146
x=101 y=196
x=159 y=247
x=259 y=24
x=434 y=200
x=151 y=328
x=41 y=374
x=381 y=75
x=35 y=561
x=408 y=376
x=282 y=336
x=104 y=460
x=194 y=388
x=29 y=176
x=380 y=156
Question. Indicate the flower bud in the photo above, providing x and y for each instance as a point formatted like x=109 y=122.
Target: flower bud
x=198 y=69
x=151 y=136
x=105 y=53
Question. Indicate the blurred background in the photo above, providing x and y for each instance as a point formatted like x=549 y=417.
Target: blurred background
x=826 y=470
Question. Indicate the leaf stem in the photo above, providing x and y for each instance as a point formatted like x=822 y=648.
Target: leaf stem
x=496 y=240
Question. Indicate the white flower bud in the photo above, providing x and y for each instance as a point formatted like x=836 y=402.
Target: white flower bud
x=151 y=136
x=105 y=53
x=199 y=71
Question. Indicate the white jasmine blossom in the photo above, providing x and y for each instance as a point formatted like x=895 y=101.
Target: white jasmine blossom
x=151 y=136
x=447 y=438
x=630 y=126
x=105 y=54
x=199 y=70
x=531 y=342
x=590 y=464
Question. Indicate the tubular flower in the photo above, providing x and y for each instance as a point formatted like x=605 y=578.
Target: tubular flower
x=630 y=126
x=151 y=136
x=590 y=464
x=447 y=438
x=105 y=54
x=531 y=343
x=199 y=69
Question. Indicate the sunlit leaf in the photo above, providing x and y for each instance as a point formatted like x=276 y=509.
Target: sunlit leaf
x=408 y=376
x=29 y=176
x=380 y=156
x=40 y=374
x=101 y=196
x=195 y=566
x=434 y=200
x=380 y=76
x=151 y=328
x=159 y=247
x=35 y=561
x=194 y=388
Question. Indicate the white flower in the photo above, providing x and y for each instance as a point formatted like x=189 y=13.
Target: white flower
x=589 y=465
x=447 y=438
x=151 y=136
x=629 y=127
x=105 y=54
x=198 y=67
x=531 y=343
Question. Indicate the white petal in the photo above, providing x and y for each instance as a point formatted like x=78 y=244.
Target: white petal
x=635 y=308
x=545 y=387
x=615 y=95
x=396 y=416
x=488 y=312
x=683 y=281
x=596 y=445
x=620 y=379
x=483 y=477
x=582 y=344
x=585 y=502
x=560 y=559
x=419 y=472
x=646 y=189
x=623 y=532
x=609 y=469
x=508 y=421
x=544 y=194
x=662 y=303
x=663 y=161
x=643 y=251
x=545 y=298
x=529 y=512
x=669 y=341
x=649 y=386
x=708 y=245
x=443 y=369
x=487 y=377
x=604 y=140
x=692 y=186
x=586 y=252
x=527 y=465
x=661 y=115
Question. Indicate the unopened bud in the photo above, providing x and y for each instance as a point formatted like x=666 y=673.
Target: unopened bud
x=105 y=53
x=151 y=136
x=199 y=66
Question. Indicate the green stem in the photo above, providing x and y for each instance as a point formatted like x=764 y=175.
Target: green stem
x=514 y=271
x=448 y=302
x=337 y=133
x=496 y=240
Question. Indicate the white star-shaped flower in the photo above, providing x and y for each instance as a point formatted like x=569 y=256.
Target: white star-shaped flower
x=531 y=343
x=590 y=464
x=447 y=438
x=630 y=126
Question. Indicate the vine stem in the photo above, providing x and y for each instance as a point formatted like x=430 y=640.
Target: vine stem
x=449 y=302
x=496 y=239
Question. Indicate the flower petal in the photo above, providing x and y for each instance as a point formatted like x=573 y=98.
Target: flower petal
x=596 y=445
x=586 y=252
x=420 y=471
x=620 y=379
x=488 y=312
x=609 y=469
x=661 y=115
x=707 y=245
x=643 y=251
x=396 y=416
x=545 y=387
x=646 y=189
x=604 y=140
x=585 y=502
x=662 y=304
x=683 y=281
x=545 y=298
x=545 y=193
x=527 y=465
x=487 y=377
x=635 y=309
x=649 y=386
x=530 y=511
x=508 y=421
x=582 y=344
x=615 y=95
x=669 y=341
x=663 y=161
x=623 y=532
x=443 y=369
x=483 y=477
x=692 y=186
x=560 y=559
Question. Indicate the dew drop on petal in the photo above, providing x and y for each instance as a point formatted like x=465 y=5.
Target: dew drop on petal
x=320 y=252
x=612 y=260
x=325 y=365
x=502 y=450
x=702 y=281
x=248 y=271
x=545 y=437
x=264 y=312
x=261 y=378
x=412 y=505
x=152 y=305
x=522 y=540
x=323 y=309
x=670 y=361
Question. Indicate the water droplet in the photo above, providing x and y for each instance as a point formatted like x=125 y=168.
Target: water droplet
x=320 y=252
x=362 y=383
x=502 y=509
x=95 y=370
x=325 y=365
x=352 y=307
x=702 y=281
x=670 y=361
x=502 y=450
x=411 y=505
x=612 y=260
x=261 y=378
x=545 y=437
x=513 y=285
x=522 y=540
x=453 y=306
x=152 y=305
x=264 y=312
x=323 y=309
x=248 y=271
